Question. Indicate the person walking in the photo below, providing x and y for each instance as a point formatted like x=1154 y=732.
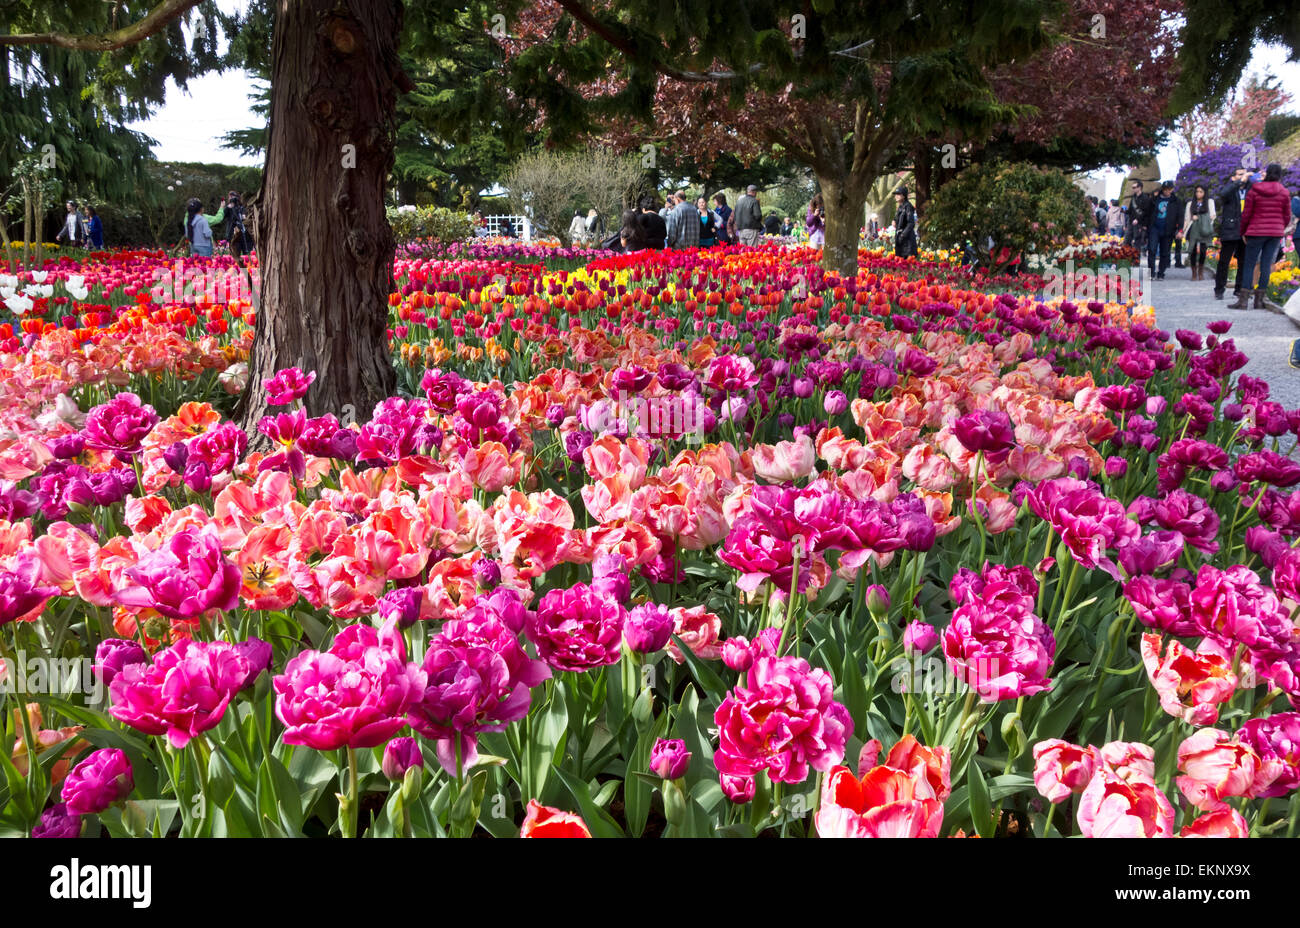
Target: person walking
x=93 y=228
x=595 y=225
x=198 y=227
x=815 y=222
x=654 y=230
x=71 y=227
x=749 y=218
x=1139 y=204
x=1198 y=229
x=905 y=244
x=1264 y=220
x=1232 y=198
x=683 y=224
x=1162 y=228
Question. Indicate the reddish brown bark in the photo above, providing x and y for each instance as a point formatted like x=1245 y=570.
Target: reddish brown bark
x=325 y=245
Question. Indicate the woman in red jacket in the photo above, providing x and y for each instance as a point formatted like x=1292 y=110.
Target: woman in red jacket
x=1264 y=219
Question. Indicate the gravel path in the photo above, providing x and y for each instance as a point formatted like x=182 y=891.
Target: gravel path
x=1264 y=336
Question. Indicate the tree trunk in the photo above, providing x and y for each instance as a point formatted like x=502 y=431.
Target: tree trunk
x=845 y=200
x=922 y=173
x=325 y=245
x=27 y=224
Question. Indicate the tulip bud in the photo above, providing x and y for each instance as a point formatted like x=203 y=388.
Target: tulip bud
x=669 y=758
x=400 y=755
x=835 y=403
x=738 y=789
x=648 y=628
x=113 y=655
x=919 y=638
x=878 y=602
x=737 y=654
x=175 y=455
x=1116 y=467
x=401 y=604
x=258 y=654
x=1223 y=481
x=487 y=573
x=803 y=388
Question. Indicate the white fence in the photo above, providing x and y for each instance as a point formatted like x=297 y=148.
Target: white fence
x=523 y=229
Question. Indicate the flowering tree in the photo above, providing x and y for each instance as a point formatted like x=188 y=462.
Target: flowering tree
x=1239 y=121
x=1214 y=168
x=1104 y=86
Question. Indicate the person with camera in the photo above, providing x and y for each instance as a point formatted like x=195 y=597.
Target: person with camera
x=237 y=235
x=1232 y=197
x=198 y=227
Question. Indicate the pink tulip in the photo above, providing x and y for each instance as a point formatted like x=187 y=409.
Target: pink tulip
x=1191 y=685
x=1216 y=766
x=356 y=696
x=784 y=721
x=1224 y=823
x=1111 y=807
x=1062 y=768
x=183 y=693
x=786 y=461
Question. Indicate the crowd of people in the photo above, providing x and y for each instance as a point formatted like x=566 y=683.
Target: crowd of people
x=1254 y=213
x=683 y=223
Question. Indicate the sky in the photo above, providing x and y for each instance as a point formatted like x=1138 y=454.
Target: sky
x=189 y=126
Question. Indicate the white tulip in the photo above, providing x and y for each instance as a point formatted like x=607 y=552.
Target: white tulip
x=19 y=305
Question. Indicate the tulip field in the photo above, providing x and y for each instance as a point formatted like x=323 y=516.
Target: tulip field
x=669 y=544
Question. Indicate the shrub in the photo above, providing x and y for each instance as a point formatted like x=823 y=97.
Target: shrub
x=1003 y=210
x=548 y=186
x=1276 y=128
x=429 y=222
x=1214 y=168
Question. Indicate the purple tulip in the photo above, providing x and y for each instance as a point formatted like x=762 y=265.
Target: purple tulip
x=113 y=655
x=100 y=780
x=58 y=822
x=400 y=755
x=648 y=628
x=919 y=638
x=669 y=758
x=986 y=430
x=120 y=425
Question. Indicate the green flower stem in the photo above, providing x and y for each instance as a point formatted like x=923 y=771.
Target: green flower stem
x=349 y=816
x=29 y=737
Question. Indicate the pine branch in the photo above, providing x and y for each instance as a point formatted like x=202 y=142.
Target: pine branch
x=157 y=19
